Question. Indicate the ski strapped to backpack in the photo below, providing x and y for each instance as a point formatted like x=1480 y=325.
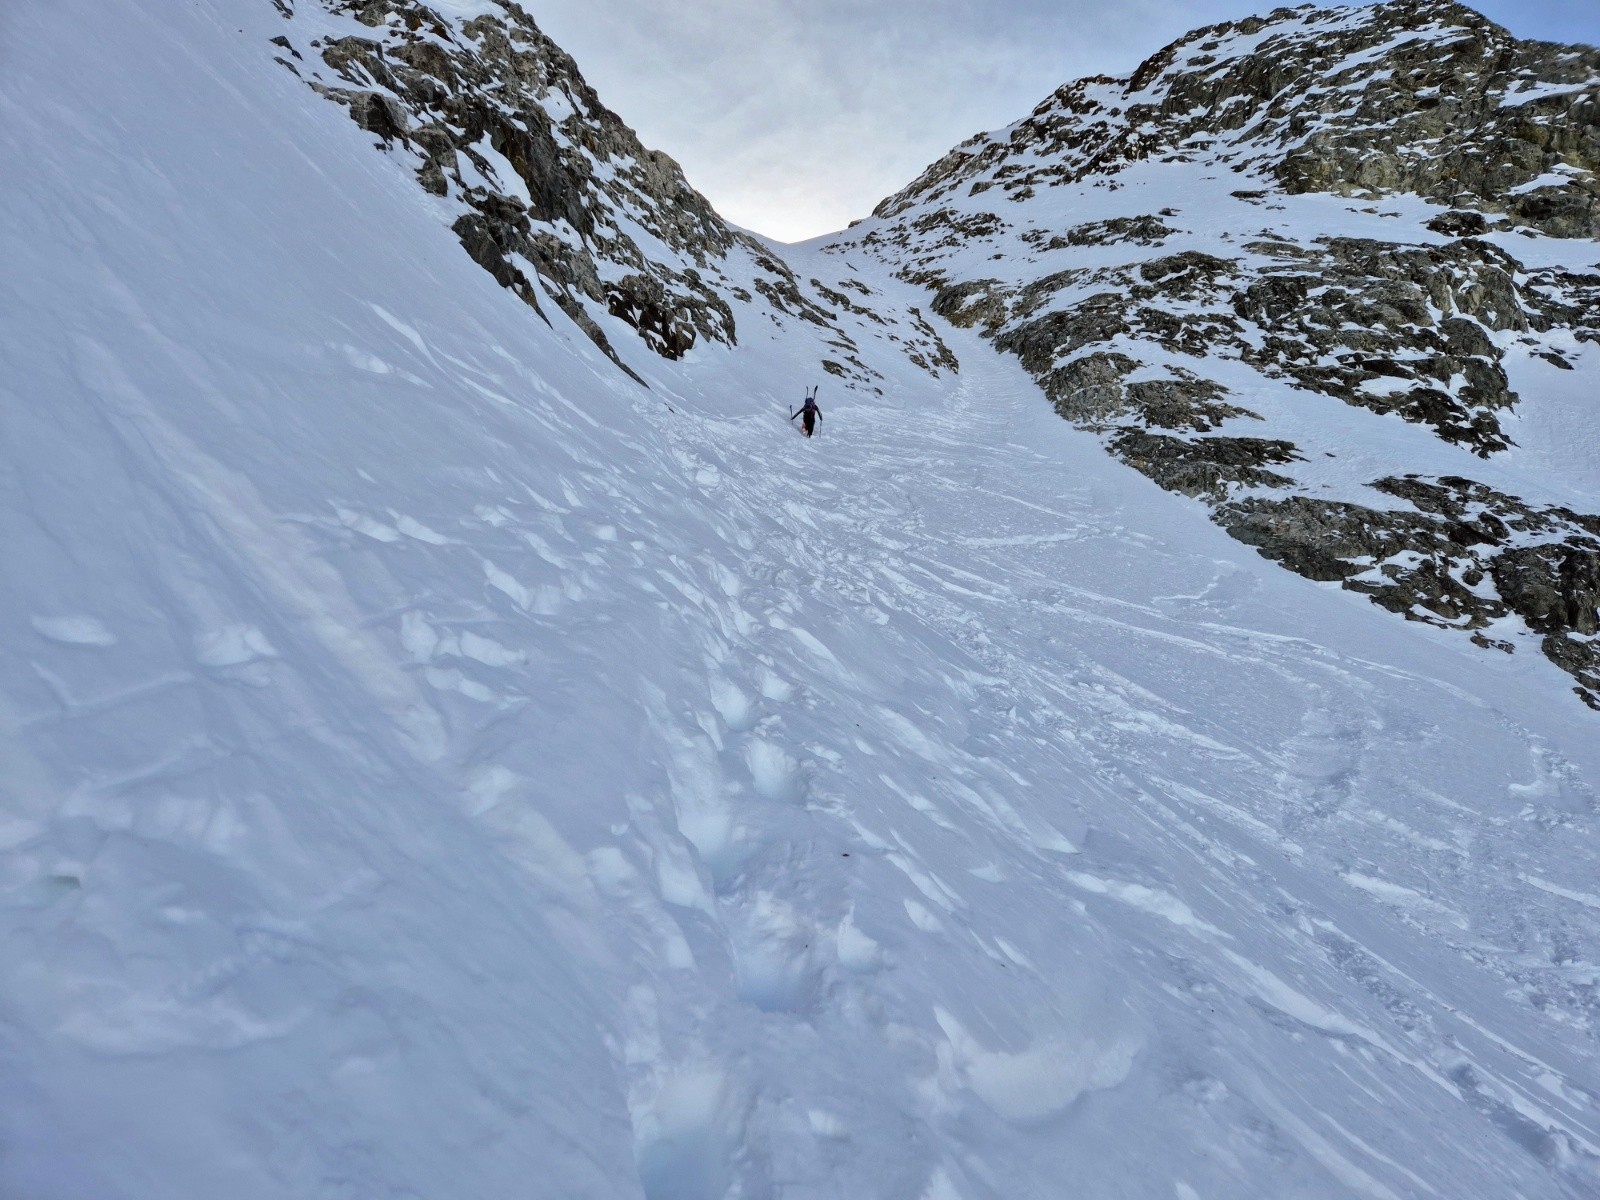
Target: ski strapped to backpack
x=809 y=410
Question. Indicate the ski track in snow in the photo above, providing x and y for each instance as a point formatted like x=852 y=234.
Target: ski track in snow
x=653 y=803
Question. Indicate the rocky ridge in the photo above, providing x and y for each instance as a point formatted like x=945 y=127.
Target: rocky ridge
x=552 y=194
x=1392 y=209
x=1430 y=98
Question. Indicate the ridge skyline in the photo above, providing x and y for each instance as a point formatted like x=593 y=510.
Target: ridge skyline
x=729 y=99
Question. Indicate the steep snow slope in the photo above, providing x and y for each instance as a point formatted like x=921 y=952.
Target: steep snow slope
x=1240 y=266
x=435 y=765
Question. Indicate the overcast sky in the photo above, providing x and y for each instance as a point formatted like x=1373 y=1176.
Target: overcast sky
x=797 y=116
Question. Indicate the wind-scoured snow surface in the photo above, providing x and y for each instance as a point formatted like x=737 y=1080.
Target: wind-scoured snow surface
x=434 y=766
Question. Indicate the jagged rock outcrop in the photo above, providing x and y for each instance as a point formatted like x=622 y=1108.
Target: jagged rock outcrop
x=1428 y=98
x=1392 y=210
x=551 y=193
x=1205 y=466
x=1466 y=556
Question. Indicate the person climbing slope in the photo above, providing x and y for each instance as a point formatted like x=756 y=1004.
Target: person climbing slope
x=809 y=412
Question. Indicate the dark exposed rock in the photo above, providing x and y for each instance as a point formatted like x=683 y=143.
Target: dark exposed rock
x=1187 y=274
x=378 y=114
x=1393 y=328
x=971 y=303
x=1273 y=246
x=782 y=289
x=490 y=248
x=1434 y=564
x=1089 y=389
x=471 y=103
x=1092 y=391
x=1142 y=231
x=1320 y=539
x=1457 y=223
x=1567 y=299
x=967 y=225
x=942 y=357
x=553 y=194
x=1554 y=587
x=641 y=301
x=1044 y=341
x=1406 y=562
x=1580 y=658
x=1187 y=402
x=1204 y=467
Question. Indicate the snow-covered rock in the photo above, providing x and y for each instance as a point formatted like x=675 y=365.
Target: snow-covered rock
x=1430 y=98
x=551 y=193
x=1392 y=208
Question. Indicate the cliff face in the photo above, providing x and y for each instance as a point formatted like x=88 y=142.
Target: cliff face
x=552 y=194
x=1256 y=264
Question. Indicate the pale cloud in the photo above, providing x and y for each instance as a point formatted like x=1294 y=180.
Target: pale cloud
x=797 y=116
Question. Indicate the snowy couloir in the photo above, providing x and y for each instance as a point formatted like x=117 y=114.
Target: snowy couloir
x=459 y=742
